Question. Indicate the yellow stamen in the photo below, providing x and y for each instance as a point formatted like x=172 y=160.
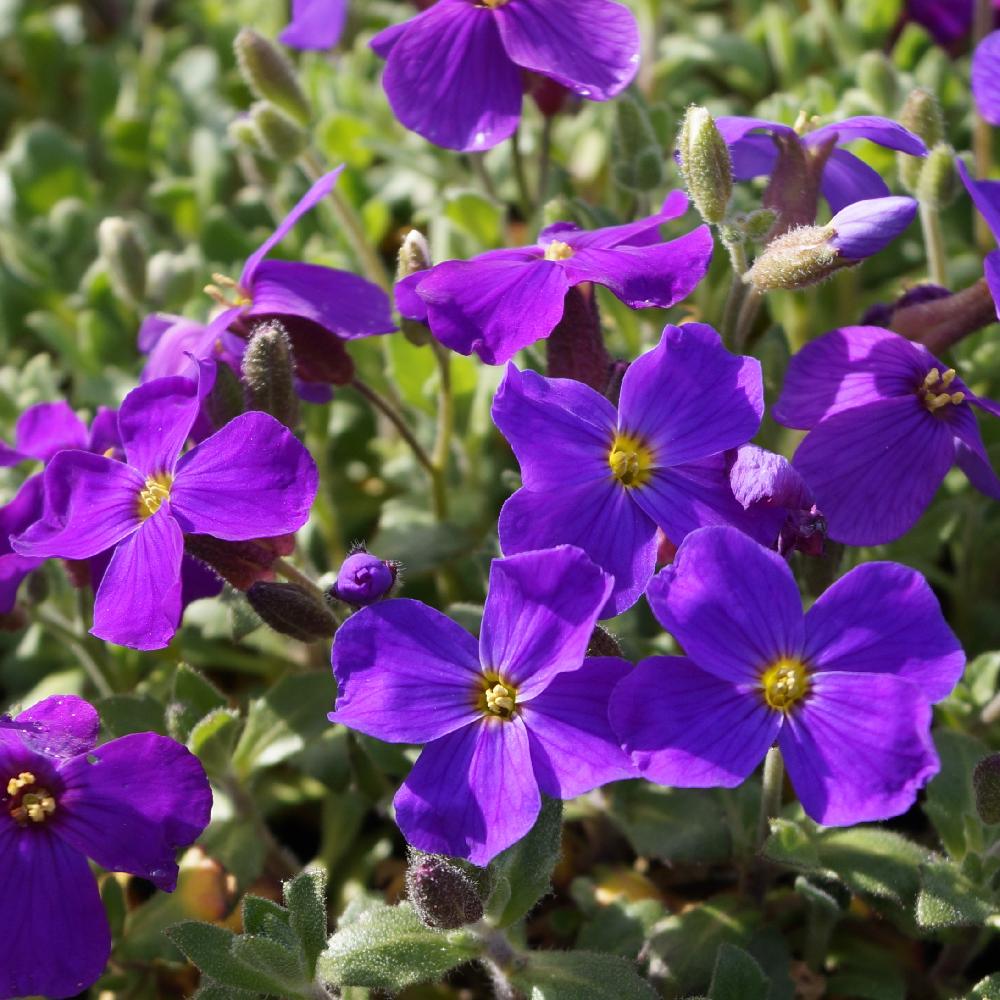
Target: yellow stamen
x=493 y=4
x=24 y=779
x=784 y=683
x=930 y=390
x=227 y=292
x=557 y=250
x=497 y=697
x=33 y=806
x=156 y=490
x=631 y=461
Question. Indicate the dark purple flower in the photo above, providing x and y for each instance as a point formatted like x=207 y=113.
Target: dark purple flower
x=315 y=24
x=846 y=179
x=986 y=197
x=886 y=422
x=364 y=579
x=845 y=689
x=604 y=479
x=524 y=714
x=128 y=805
x=250 y=479
x=947 y=20
x=455 y=73
x=504 y=300
x=986 y=78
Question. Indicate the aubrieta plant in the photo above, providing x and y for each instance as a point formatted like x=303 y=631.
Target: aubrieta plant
x=498 y=499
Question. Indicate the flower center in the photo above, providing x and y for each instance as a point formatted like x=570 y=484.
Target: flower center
x=493 y=4
x=556 y=250
x=156 y=490
x=631 y=461
x=934 y=390
x=498 y=697
x=784 y=682
x=27 y=801
x=227 y=292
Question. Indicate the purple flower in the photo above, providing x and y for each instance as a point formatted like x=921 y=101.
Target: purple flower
x=364 y=579
x=250 y=479
x=315 y=24
x=846 y=179
x=986 y=197
x=867 y=227
x=886 y=422
x=946 y=20
x=128 y=805
x=504 y=300
x=844 y=689
x=524 y=714
x=604 y=479
x=455 y=73
x=986 y=78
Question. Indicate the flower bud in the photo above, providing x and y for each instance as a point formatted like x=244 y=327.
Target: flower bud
x=938 y=182
x=292 y=610
x=575 y=349
x=603 y=643
x=414 y=256
x=205 y=890
x=240 y=564
x=244 y=133
x=270 y=75
x=986 y=785
x=225 y=401
x=277 y=135
x=443 y=895
x=759 y=223
x=269 y=374
x=706 y=164
x=921 y=114
x=877 y=78
x=363 y=579
x=124 y=254
x=639 y=158
x=172 y=278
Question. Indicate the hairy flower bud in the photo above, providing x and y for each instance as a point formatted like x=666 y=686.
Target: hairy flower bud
x=921 y=114
x=706 y=164
x=938 y=182
x=363 y=579
x=603 y=643
x=443 y=895
x=270 y=76
x=878 y=79
x=244 y=133
x=124 y=254
x=292 y=610
x=240 y=564
x=268 y=374
x=225 y=401
x=639 y=158
x=986 y=784
x=414 y=255
x=575 y=348
x=277 y=135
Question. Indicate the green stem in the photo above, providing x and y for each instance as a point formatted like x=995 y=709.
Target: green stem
x=545 y=159
x=737 y=289
x=445 y=427
x=749 y=308
x=937 y=259
x=982 y=135
x=64 y=630
x=818 y=932
x=478 y=161
x=294 y=575
x=770 y=795
x=389 y=411
x=520 y=174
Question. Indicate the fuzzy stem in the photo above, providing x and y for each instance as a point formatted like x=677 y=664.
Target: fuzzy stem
x=937 y=257
x=63 y=630
x=520 y=174
x=770 y=795
x=737 y=288
x=747 y=316
x=445 y=425
x=545 y=159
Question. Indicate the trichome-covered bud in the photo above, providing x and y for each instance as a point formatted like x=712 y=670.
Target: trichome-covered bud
x=269 y=75
x=414 y=256
x=277 y=135
x=240 y=564
x=575 y=349
x=639 y=157
x=878 y=79
x=986 y=785
x=124 y=254
x=706 y=164
x=603 y=643
x=759 y=223
x=269 y=374
x=938 y=182
x=364 y=579
x=921 y=114
x=226 y=400
x=292 y=610
x=244 y=133
x=443 y=895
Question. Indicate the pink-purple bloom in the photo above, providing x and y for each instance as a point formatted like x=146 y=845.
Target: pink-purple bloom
x=315 y=24
x=504 y=300
x=364 y=579
x=251 y=479
x=128 y=804
x=845 y=689
x=886 y=421
x=604 y=479
x=986 y=197
x=455 y=72
x=522 y=715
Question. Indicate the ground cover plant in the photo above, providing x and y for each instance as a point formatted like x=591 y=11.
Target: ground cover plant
x=498 y=499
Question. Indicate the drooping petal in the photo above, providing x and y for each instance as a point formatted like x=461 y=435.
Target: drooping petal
x=573 y=747
x=641 y=233
x=138 y=603
x=760 y=476
x=732 y=604
x=448 y=78
x=985 y=195
x=91 y=504
x=56 y=939
x=874 y=469
x=991 y=269
x=541 y=609
x=561 y=430
x=858 y=747
x=472 y=793
x=251 y=479
x=405 y=673
x=16 y=517
x=647 y=276
x=849 y=367
x=60 y=726
x=46 y=428
x=315 y=24
x=986 y=78
x=319 y=190
x=589 y=46
x=600 y=518
x=970 y=453
x=132 y=803
x=686 y=728
x=175 y=349
x=735 y=127
x=846 y=179
x=882 y=131
x=494 y=308
x=689 y=397
x=338 y=301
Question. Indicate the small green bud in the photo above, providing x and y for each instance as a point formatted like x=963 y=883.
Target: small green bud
x=124 y=254
x=639 y=157
x=877 y=78
x=800 y=257
x=986 y=784
x=270 y=76
x=921 y=114
x=758 y=224
x=277 y=135
x=243 y=132
x=268 y=374
x=937 y=186
x=173 y=278
x=225 y=401
x=706 y=164
x=414 y=255
x=442 y=894
x=292 y=610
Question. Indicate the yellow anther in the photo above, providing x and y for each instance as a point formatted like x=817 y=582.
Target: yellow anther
x=33 y=806
x=24 y=779
x=556 y=250
x=784 y=683
x=930 y=390
x=496 y=697
x=947 y=377
x=156 y=490
x=227 y=292
x=631 y=461
x=493 y=4
x=931 y=378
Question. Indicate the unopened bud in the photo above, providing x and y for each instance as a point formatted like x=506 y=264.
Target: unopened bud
x=443 y=895
x=172 y=278
x=225 y=401
x=364 y=579
x=269 y=374
x=240 y=564
x=292 y=610
x=877 y=78
x=938 y=183
x=277 y=135
x=759 y=223
x=921 y=114
x=986 y=785
x=124 y=254
x=244 y=133
x=205 y=890
x=603 y=643
x=575 y=349
x=270 y=75
x=706 y=164
x=414 y=256
x=639 y=158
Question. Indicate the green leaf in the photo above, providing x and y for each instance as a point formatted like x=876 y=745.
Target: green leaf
x=194 y=696
x=387 y=947
x=256 y=912
x=273 y=960
x=737 y=976
x=522 y=874
x=476 y=216
x=212 y=739
x=305 y=897
x=986 y=989
x=620 y=928
x=580 y=975
x=949 y=899
x=216 y=991
x=122 y=714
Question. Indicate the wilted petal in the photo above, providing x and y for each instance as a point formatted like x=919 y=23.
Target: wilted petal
x=970 y=453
